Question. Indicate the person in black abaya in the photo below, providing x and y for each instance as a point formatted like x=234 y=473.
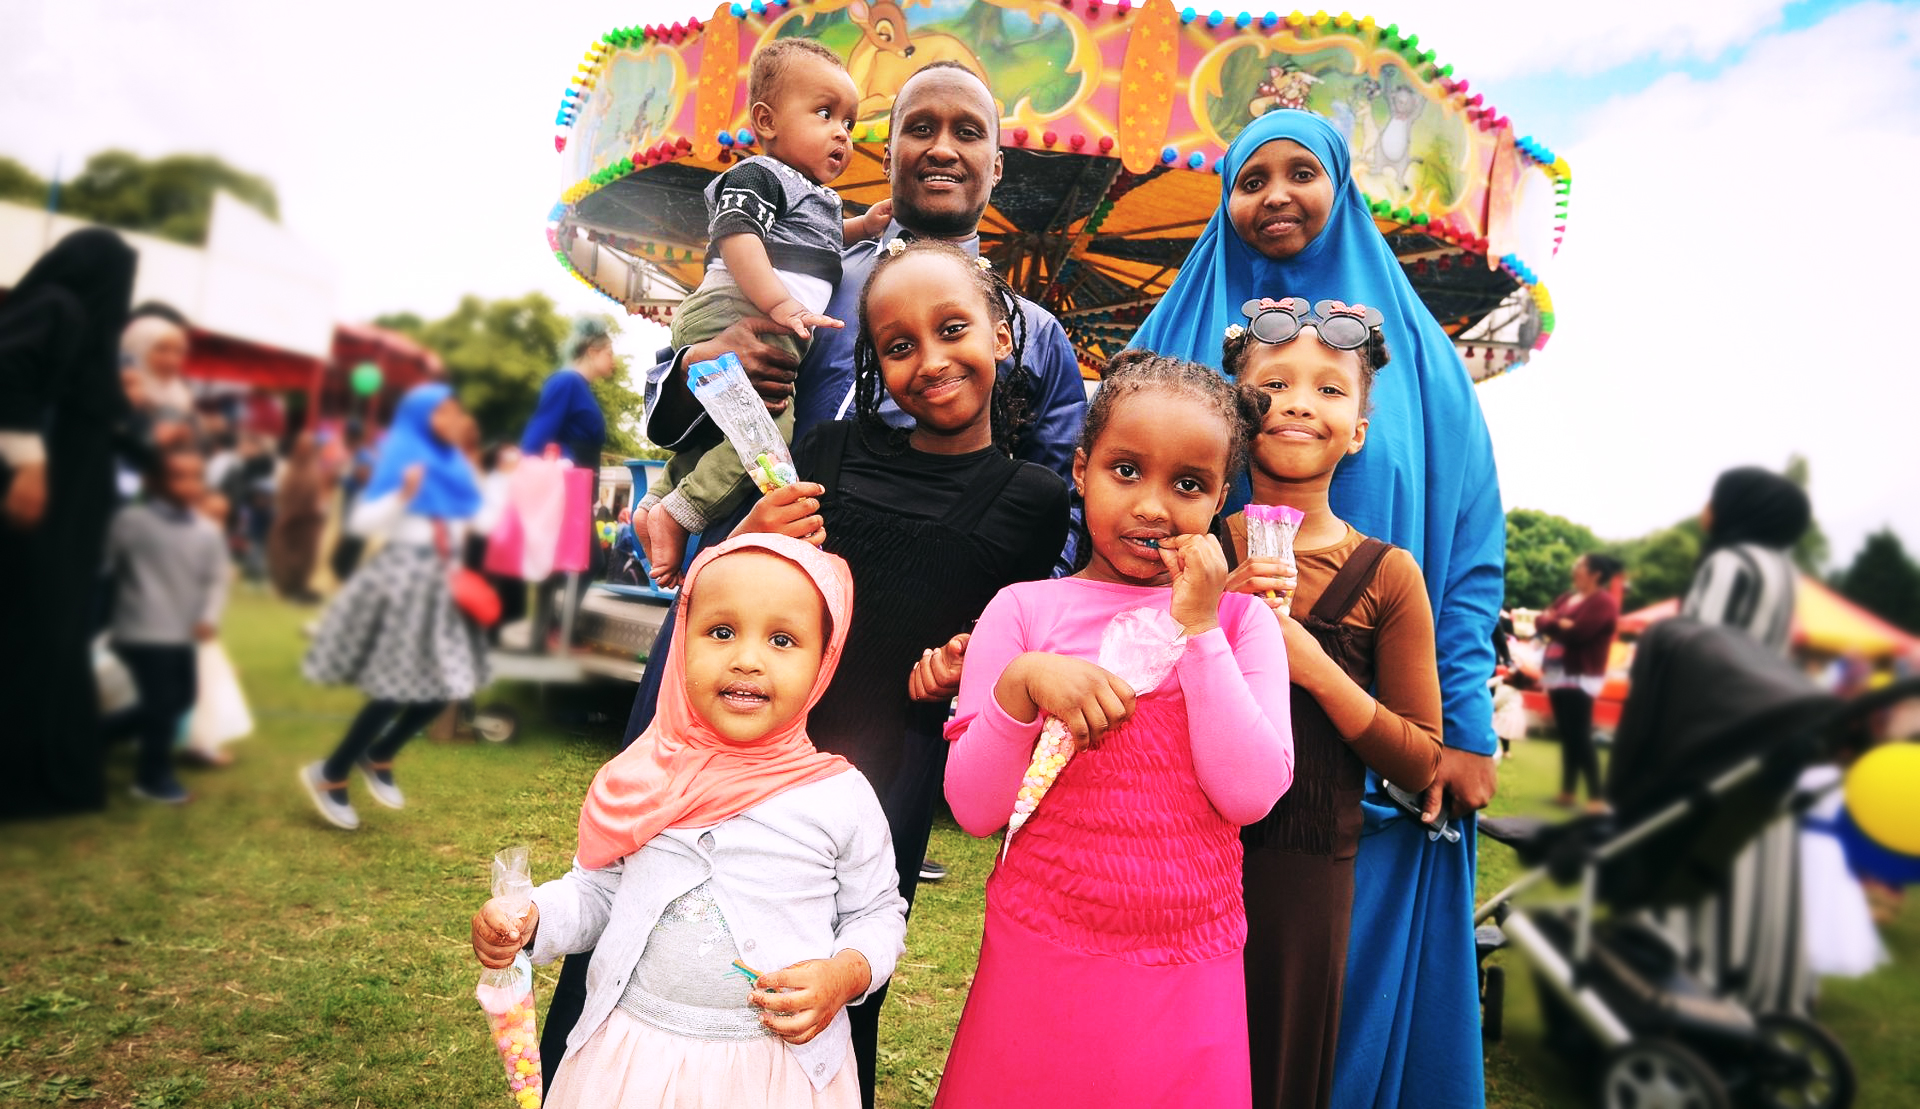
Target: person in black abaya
x=61 y=406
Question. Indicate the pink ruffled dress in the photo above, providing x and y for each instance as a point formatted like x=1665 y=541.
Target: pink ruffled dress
x=1110 y=971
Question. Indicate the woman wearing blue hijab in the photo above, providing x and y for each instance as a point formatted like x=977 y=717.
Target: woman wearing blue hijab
x=1410 y=1028
x=394 y=630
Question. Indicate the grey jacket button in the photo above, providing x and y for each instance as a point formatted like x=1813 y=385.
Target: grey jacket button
x=706 y=840
x=749 y=945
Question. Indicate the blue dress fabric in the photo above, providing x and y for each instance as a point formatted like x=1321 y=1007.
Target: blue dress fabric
x=448 y=490
x=567 y=415
x=1410 y=1029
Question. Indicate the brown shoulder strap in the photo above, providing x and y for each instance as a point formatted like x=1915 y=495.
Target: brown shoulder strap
x=1352 y=580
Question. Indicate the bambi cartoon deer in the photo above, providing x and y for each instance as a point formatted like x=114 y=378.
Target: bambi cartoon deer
x=887 y=54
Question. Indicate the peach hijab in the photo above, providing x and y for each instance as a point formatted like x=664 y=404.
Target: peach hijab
x=679 y=773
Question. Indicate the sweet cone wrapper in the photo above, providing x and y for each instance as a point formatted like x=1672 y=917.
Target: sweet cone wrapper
x=506 y=995
x=1140 y=647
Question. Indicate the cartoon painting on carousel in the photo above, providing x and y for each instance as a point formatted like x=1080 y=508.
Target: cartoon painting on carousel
x=634 y=105
x=1402 y=151
x=1048 y=55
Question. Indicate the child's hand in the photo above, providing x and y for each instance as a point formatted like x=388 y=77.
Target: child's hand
x=1260 y=577
x=1089 y=700
x=795 y=317
x=498 y=935
x=936 y=677
x=812 y=992
x=789 y=510
x=1307 y=661
x=410 y=480
x=877 y=218
x=1199 y=570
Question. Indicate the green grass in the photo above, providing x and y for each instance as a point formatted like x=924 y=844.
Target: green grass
x=241 y=953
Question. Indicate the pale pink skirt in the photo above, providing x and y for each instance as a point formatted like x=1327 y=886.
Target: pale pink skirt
x=628 y=1064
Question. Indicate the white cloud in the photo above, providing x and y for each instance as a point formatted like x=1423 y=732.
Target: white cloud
x=1516 y=38
x=1736 y=287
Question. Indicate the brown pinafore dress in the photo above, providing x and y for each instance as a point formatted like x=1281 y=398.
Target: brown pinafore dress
x=1298 y=873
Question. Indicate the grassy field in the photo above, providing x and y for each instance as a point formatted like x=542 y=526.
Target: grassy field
x=241 y=953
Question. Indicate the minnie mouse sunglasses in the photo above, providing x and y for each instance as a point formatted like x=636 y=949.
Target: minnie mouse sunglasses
x=1340 y=326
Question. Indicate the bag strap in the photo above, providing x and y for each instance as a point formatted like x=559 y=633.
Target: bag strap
x=1344 y=591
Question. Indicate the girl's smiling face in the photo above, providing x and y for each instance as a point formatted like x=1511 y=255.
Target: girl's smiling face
x=1316 y=416
x=756 y=631
x=1281 y=199
x=939 y=348
x=1157 y=470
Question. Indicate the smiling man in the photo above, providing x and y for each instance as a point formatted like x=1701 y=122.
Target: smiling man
x=942 y=162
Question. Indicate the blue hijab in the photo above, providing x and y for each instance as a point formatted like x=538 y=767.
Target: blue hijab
x=1410 y=1031
x=1425 y=480
x=448 y=490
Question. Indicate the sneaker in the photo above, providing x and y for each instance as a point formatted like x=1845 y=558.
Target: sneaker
x=336 y=812
x=380 y=784
x=931 y=871
x=165 y=793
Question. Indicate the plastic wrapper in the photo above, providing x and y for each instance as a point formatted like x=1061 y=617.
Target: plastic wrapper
x=506 y=995
x=1140 y=647
x=1270 y=532
x=722 y=388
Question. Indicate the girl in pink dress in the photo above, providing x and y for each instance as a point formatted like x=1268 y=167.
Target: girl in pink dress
x=1110 y=971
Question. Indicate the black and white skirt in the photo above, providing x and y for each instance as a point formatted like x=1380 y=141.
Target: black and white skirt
x=395 y=632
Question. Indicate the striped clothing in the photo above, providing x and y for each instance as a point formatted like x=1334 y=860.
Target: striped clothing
x=1750 y=943
x=1745 y=586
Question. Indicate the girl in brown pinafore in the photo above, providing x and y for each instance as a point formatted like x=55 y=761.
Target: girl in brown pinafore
x=1359 y=621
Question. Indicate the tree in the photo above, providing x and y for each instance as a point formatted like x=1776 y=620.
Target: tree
x=1810 y=553
x=1541 y=549
x=1660 y=565
x=498 y=355
x=1884 y=580
x=19 y=183
x=171 y=197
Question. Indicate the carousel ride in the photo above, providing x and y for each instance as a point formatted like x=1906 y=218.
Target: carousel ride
x=1114 y=121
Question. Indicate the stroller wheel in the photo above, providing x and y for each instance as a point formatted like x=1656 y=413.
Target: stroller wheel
x=1660 y=1074
x=1493 y=1004
x=496 y=723
x=1825 y=1078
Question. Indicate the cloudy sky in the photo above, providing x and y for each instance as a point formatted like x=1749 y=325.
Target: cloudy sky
x=1737 y=284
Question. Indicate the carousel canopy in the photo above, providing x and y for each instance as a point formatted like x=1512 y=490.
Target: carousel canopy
x=1114 y=121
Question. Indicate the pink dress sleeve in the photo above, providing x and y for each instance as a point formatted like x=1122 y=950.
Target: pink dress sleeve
x=1239 y=719
x=991 y=749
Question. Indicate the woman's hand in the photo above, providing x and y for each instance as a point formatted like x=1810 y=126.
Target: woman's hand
x=498 y=935
x=1464 y=782
x=1199 y=569
x=1265 y=578
x=789 y=510
x=410 y=480
x=1089 y=700
x=812 y=991
x=936 y=677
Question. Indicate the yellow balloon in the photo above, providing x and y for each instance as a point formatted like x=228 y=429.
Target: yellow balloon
x=1883 y=796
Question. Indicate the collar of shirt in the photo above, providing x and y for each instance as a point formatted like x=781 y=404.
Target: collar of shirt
x=970 y=244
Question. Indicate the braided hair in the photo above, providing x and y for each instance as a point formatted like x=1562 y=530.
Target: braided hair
x=1138 y=371
x=1012 y=404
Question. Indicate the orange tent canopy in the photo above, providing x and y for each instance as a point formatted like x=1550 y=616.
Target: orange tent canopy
x=1823 y=621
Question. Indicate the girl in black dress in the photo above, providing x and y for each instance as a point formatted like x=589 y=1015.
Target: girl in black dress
x=933 y=521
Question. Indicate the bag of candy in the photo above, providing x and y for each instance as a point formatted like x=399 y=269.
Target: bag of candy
x=506 y=995
x=722 y=388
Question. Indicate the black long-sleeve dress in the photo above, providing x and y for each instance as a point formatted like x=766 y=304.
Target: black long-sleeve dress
x=59 y=357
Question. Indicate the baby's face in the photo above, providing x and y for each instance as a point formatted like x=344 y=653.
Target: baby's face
x=810 y=120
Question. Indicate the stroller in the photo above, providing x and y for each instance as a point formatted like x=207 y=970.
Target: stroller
x=1714 y=734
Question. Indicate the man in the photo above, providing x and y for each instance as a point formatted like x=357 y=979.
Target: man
x=942 y=162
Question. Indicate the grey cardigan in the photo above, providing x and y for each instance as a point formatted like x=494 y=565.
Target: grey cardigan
x=805 y=874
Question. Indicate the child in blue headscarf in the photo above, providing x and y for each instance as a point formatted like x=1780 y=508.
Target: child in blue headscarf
x=394 y=630
x=1292 y=219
